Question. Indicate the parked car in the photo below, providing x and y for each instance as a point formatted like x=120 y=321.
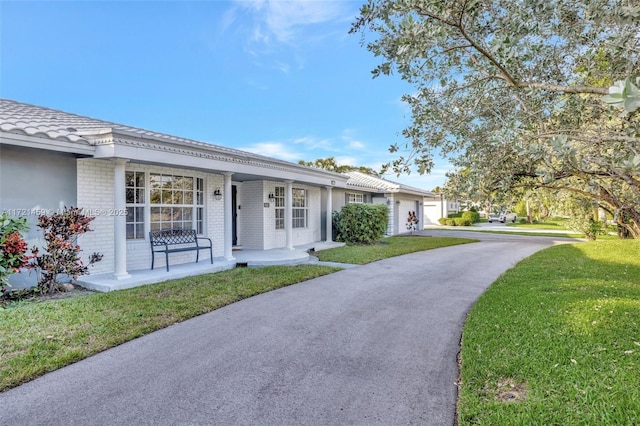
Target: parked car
x=494 y=217
x=505 y=216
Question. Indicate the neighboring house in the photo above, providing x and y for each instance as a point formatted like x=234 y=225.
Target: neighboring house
x=134 y=181
x=437 y=206
x=401 y=199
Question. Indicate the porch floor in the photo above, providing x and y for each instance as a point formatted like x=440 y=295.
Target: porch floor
x=251 y=258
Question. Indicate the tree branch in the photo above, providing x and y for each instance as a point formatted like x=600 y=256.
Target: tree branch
x=563 y=89
x=608 y=138
x=507 y=76
x=423 y=12
x=504 y=73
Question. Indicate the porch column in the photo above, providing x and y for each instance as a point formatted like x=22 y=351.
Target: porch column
x=288 y=213
x=119 y=221
x=329 y=217
x=228 y=218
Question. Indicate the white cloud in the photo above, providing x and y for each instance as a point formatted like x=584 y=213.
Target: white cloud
x=313 y=143
x=347 y=150
x=274 y=149
x=356 y=145
x=286 y=29
x=285 y=68
x=284 y=21
x=347 y=161
x=228 y=19
x=259 y=36
x=350 y=141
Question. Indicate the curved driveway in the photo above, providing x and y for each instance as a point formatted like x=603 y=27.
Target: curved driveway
x=374 y=344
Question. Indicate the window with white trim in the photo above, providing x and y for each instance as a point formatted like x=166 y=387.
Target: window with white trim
x=279 y=203
x=135 y=194
x=174 y=202
x=355 y=198
x=300 y=208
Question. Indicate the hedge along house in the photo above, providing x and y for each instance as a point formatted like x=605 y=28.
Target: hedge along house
x=134 y=181
x=401 y=199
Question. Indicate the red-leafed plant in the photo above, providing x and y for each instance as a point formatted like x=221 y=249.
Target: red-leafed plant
x=13 y=248
x=62 y=254
x=412 y=221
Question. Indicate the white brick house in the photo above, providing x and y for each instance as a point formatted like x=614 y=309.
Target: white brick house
x=134 y=181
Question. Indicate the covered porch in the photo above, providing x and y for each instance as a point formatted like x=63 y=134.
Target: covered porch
x=230 y=208
x=251 y=258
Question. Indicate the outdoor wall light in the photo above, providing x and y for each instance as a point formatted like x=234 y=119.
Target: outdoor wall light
x=272 y=198
x=217 y=194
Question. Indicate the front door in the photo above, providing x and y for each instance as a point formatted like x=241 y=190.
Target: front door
x=234 y=214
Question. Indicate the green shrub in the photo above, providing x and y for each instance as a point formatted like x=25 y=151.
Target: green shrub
x=522 y=220
x=454 y=215
x=361 y=223
x=471 y=216
x=451 y=222
x=521 y=208
x=582 y=218
x=461 y=221
x=442 y=221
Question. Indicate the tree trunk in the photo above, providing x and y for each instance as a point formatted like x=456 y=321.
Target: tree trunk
x=627 y=218
x=629 y=223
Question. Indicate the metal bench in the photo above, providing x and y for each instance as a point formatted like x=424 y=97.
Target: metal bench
x=176 y=241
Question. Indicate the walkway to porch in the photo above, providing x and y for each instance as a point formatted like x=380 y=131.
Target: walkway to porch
x=251 y=258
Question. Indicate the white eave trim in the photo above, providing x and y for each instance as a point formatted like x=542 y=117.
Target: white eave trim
x=415 y=192
x=170 y=144
x=20 y=139
x=150 y=150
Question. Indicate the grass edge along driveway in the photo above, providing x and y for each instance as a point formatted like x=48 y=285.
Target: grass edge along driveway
x=388 y=247
x=556 y=340
x=36 y=338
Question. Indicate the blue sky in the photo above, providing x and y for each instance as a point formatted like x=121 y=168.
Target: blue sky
x=280 y=78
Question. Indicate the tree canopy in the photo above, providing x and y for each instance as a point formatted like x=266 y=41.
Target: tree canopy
x=518 y=93
x=331 y=165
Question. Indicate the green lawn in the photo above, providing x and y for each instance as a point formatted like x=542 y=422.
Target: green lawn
x=568 y=234
x=556 y=340
x=388 y=247
x=559 y=225
x=556 y=224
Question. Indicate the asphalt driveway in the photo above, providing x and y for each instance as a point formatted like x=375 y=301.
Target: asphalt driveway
x=374 y=344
